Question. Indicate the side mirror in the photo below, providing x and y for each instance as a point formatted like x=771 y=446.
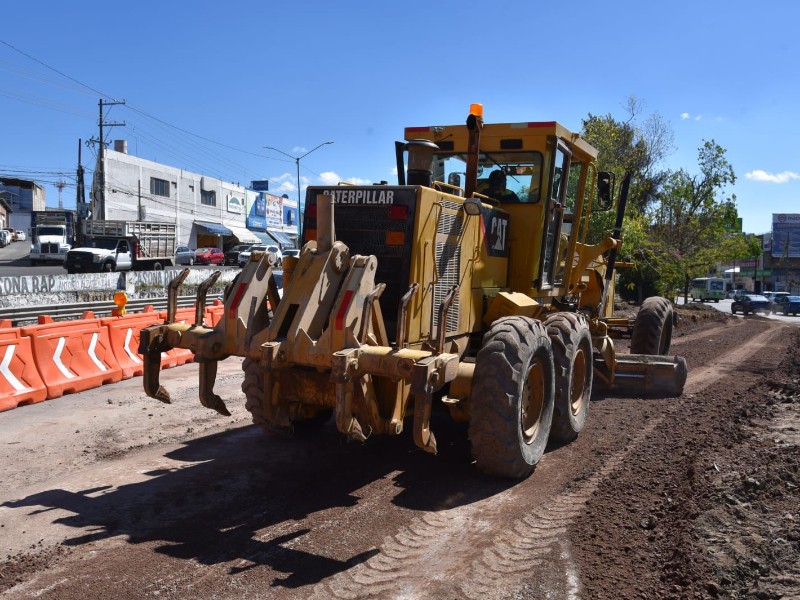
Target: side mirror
x=472 y=206
x=606 y=181
x=454 y=179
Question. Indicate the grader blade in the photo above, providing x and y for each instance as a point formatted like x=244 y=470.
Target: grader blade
x=650 y=375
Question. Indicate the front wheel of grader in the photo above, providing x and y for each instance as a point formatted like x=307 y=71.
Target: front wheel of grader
x=572 y=355
x=652 y=329
x=512 y=398
x=258 y=405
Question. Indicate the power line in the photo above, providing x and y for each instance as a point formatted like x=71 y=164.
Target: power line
x=36 y=60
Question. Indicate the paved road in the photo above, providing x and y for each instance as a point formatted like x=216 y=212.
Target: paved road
x=14 y=261
x=725 y=306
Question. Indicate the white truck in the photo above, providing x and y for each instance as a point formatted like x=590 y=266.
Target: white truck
x=124 y=246
x=51 y=236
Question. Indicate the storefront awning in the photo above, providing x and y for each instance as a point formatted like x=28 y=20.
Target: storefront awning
x=245 y=236
x=214 y=228
x=282 y=238
x=263 y=237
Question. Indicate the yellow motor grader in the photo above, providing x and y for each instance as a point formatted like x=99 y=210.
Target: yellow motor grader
x=440 y=293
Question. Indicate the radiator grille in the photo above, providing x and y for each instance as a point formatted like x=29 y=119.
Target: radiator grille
x=450 y=223
x=448 y=264
x=364 y=230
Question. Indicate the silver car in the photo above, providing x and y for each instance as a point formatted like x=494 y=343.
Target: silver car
x=184 y=255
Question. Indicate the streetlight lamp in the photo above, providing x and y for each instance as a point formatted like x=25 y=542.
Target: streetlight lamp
x=297 y=160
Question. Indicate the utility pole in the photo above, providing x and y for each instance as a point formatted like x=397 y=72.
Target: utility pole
x=80 y=199
x=300 y=210
x=101 y=160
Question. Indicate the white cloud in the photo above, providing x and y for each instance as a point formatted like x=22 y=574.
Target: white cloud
x=332 y=178
x=759 y=175
x=684 y=116
x=283 y=184
x=329 y=178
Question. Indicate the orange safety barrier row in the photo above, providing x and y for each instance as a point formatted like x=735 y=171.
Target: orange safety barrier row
x=50 y=359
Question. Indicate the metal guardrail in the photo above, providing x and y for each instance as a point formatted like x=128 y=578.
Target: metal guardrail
x=27 y=315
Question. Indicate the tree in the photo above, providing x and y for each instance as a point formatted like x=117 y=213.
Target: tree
x=691 y=220
x=630 y=147
x=635 y=145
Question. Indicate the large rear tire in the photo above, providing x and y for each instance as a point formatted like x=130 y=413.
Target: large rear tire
x=572 y=357
x=652 y=329
x=511 y=406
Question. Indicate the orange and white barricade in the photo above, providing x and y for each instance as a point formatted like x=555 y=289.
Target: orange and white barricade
x=20 y=380
x=123 y=332
x=73 y=356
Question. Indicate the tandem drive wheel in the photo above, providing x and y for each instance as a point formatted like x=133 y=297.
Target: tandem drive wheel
x=572 y=356
x=512 y=398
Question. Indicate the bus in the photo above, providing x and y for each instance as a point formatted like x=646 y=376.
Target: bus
x=708 y=288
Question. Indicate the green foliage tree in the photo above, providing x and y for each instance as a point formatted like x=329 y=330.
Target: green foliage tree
x=692 y=219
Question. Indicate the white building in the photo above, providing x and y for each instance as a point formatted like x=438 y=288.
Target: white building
x=207 y=211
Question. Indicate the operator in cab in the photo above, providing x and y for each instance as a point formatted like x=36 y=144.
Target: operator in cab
x=497 y=188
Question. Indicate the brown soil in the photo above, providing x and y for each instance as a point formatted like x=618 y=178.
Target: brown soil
x=110 y=494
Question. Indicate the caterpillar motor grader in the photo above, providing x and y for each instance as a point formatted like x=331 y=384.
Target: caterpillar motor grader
x=439 y=293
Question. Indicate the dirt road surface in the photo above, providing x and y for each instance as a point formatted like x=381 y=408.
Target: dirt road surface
x=109 y=494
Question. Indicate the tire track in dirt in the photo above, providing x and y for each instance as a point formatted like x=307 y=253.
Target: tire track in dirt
x=430 y=551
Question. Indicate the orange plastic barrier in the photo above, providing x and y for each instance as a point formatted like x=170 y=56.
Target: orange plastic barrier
x=20 y=381
x=123 y=332
x=73 y=356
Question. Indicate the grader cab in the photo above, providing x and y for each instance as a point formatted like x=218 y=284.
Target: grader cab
x=440 y=293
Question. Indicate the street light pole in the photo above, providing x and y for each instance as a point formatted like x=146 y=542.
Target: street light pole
x=297 y=160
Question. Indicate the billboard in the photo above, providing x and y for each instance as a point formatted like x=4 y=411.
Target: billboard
x=256 y=208
x=274 y=210
x=785 y=235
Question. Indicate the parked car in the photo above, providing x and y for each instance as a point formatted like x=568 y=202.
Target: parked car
x=790 y=306
x=245 y=256
x=294 y=252
x=232 y=255
x=5 y=238
x=21 y=236
x=750 y=303
x=184 y=255
x=278 y=255
x=208 y=256
x=776 y=299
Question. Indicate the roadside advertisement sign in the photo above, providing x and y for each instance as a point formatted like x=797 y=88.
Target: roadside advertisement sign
x=785 y=235
x=274 y=210
x=256 y=207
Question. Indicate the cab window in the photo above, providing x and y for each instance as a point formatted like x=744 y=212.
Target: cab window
x=522 y=170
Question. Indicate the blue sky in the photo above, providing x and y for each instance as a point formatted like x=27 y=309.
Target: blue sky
x=209 y=84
